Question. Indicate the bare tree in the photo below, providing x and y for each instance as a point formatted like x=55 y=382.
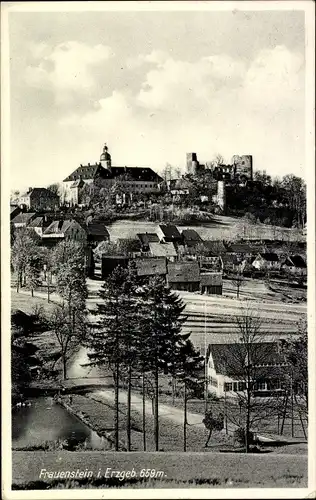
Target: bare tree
x=255 y=365
x=238 y=281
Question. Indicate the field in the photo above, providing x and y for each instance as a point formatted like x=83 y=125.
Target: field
x=175 y=469
x=220 y=227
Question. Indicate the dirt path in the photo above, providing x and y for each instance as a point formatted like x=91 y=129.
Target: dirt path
x=165 y=411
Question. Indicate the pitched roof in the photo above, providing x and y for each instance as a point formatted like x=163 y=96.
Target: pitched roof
x=59 y=227
x=229 y=359
x=270 y=256
x=151 y=266
x=296 y=261
x=97 y=229
x=183 y=272
x=145 y=174
x=191 y=235
x=211 y=279
x=215 y=246
x=24 y=218
x=162 y=249
x=37 y=222
x=170 y=231
x=86 y=172
x=39 y=191
x=146 y=238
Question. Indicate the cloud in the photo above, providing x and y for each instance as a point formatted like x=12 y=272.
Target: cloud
x=66 y=68
x=215 y=104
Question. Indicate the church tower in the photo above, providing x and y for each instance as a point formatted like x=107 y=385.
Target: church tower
x=105 y=158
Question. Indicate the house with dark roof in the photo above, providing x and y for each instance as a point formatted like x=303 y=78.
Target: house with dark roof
x=191 y=238
x=214 y=248
x=39 y=199
x=96 y=232
x=184 y=276
x=137 y=180
x=226 y=368
x=211 y=283
x=150 y=267
x=14 y=211
x=39 y=224
x=166 y=250
x=295 y=264
x=267 y=261
x=145 y=239
x=169 y=233
x=109 y=263
x=23 y=219
x=60 y=230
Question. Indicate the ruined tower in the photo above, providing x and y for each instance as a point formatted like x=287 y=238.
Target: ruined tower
x=221 y=195
x=192 y=163
x=242 y=166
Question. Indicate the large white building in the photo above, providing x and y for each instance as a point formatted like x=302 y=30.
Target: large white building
x=137 y=180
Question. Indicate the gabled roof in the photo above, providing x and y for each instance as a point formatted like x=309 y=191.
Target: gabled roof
x=146 y=238
x=295 y=261
x=211 y=279
x=230 y=359
x=151 y=267
x=40 y=191
x=162 y=249
x=87 y=172
x=60 y=227
x=145 y=174
x=170 y=231
x=191 y=235
x=24 y=218
x=97 y=229
x=37 y=222
x=270 y=256
x=183 y=272
x=215 y=246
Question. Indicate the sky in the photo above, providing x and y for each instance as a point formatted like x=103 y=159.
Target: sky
x=154 y=86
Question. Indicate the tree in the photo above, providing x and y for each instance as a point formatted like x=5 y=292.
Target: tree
x=189 y=367
x=54 y=188
x=296 y=355
x=248 y=361
x=107 y=341
x=69 y=330
x=238 y=280
x=32 y=273
x=164 y=319
x=295 y=196
x=25 y=247
x=68 y=265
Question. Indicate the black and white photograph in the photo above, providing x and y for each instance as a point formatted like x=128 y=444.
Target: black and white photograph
x=158 y=258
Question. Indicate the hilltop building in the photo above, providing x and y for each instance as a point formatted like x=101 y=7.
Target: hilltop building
x=39 y=199
x=103 y=174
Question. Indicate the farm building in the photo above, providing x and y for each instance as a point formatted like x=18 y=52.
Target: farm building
x=211 y=283
x=184 y=276
x=295 y=264
x=60 y=230
x=267 y=261
x=163 y=250
x=191 y=238
x=145 y=239
x=226 y=368
x=151 y=267
x=96 y=232
x=39 y=224
x=168 y=233
x=23 y=220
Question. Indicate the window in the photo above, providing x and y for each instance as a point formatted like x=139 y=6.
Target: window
x=214 y=382
x=228 y=386
x=261 y=386
x=242 y=386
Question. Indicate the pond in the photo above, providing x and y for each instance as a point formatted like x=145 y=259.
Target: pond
x=45 y=420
